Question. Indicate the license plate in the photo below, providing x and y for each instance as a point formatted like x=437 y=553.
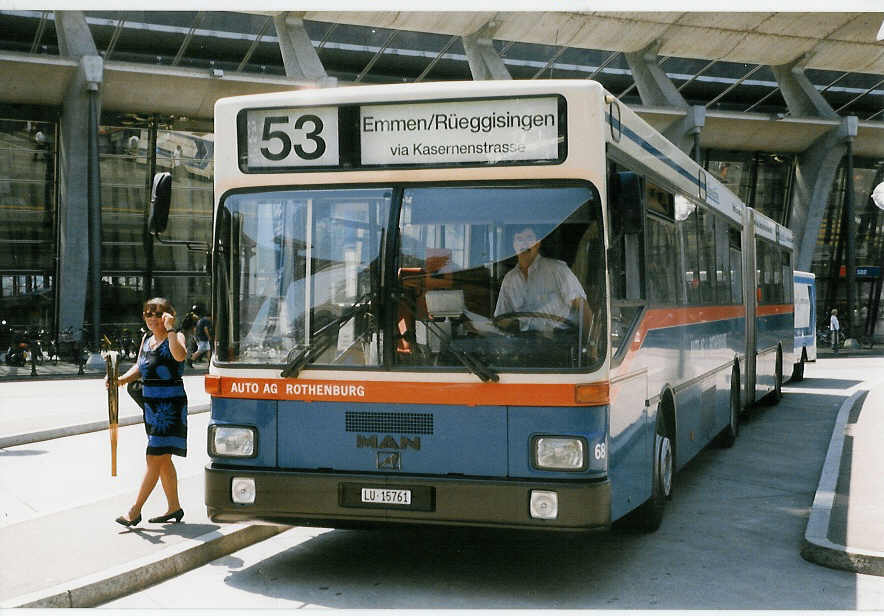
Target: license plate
x=386 y=497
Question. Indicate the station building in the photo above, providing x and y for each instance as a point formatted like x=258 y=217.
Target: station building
x=786 y=108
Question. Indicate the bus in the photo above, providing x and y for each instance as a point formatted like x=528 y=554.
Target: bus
x=805 y=322
x=498 y=304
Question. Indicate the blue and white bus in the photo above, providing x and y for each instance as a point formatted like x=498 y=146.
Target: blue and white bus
x=805 y=322
x=385 y=353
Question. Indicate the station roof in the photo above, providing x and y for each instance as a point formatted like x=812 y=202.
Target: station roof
x=717 y=59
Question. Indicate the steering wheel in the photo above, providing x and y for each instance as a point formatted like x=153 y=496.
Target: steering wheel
x=540 y=315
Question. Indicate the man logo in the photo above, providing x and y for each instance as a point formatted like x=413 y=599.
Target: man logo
x=388 y=460
x=388 y=442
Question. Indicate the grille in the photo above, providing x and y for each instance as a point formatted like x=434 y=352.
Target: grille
x=410 y=423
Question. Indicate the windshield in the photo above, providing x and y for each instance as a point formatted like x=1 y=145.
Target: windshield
x=481 y=278
x=290 y=263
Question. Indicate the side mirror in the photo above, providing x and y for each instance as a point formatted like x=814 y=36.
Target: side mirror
x=627 y=203
x=160 y=201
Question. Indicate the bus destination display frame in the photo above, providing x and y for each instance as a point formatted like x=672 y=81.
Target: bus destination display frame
x=473 y=132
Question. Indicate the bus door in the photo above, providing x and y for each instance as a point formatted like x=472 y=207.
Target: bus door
x=631 y=444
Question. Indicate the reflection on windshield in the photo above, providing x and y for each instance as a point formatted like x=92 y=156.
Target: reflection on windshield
x=484 y=278
x=511 y=275
x=298 y=261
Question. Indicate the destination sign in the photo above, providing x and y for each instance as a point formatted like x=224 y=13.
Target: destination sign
x=464 y=132
x=478 y=131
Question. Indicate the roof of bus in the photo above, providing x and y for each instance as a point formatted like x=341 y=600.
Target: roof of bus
x=416 y=91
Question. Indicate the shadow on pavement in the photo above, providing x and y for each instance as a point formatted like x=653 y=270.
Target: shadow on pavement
x=818 y=383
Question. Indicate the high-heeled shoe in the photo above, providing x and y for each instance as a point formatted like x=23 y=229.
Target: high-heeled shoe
x=176 y=515
x=127 y=523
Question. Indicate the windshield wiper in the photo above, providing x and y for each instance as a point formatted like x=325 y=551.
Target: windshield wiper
x=472 y=363
x=301 y=355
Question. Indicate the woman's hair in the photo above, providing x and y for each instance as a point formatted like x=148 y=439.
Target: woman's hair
x=159 y=303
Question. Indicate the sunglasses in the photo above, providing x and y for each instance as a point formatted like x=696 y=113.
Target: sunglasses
x=148 y=314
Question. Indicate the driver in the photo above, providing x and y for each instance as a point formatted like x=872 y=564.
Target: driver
x=542 y=285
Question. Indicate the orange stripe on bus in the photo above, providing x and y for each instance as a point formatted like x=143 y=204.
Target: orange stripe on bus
x=766 y=311
x=469 y=394
x=658 y=318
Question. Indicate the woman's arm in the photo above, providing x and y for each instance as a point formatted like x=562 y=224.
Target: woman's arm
x=176 y=339
x=176 y=346
x=124 y=379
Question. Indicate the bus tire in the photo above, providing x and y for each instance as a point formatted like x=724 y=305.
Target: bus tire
x=649 y=515
x=772 y=397
x=728 y=436
x=798 y=369
x=777 y=393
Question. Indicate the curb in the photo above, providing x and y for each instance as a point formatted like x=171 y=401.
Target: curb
x=93 y=426
x=105 y=586
x=816 y=546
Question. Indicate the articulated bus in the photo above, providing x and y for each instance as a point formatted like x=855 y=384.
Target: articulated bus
x=501 y=304
x=805 y=321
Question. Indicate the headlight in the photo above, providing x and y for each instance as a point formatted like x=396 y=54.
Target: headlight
x=559 y=453
x=232 y=441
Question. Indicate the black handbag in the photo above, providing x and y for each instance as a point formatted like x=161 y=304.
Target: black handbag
x=136 y=387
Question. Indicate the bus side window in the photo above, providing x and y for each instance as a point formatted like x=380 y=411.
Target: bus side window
x=786 y=260
x=706 y=241
x=625 y=236
x=736 y=264
x=663 y=276
x=686 y=223
x=625 y=254
x=722 y=263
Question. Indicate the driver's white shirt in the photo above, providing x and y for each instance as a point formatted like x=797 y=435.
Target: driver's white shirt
x=549 y=287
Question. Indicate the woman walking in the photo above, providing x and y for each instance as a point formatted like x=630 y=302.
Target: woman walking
x=160 y=363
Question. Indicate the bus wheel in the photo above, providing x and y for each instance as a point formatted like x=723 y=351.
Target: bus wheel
x=774 y=396
x=798 y=369
x=649 y=515
x=728 y=436
x=778 y=382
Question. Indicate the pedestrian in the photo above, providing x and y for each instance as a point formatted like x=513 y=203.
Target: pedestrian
x=160 y=364
x=188 y=328
x=834 y=328
x=203 y=337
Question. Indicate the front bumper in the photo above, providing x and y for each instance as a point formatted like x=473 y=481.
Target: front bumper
x=316 y=499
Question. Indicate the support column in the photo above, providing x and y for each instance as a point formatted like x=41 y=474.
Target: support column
x=657 y=90
x=298 y=55
x=802 y=98
x=78 y=184
x=483 y=59
x=654 y=87
x=685 y=133
x=817 y=165
x=814 y=175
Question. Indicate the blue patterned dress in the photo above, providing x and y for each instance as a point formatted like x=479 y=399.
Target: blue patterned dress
x=165 y=401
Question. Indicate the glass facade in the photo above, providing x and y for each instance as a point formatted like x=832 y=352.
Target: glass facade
x=177 y=272
x=830 y=256
x=27 y=227
x=762 y=180
x=131 y=270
